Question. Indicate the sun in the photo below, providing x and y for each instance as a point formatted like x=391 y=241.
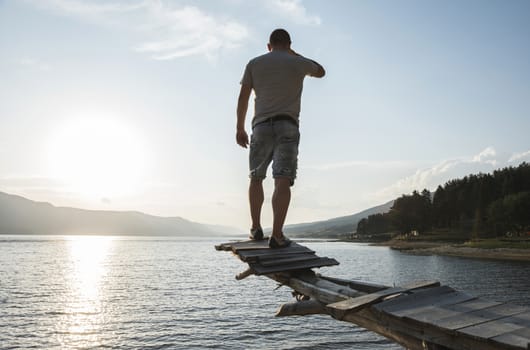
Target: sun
x=98 y=157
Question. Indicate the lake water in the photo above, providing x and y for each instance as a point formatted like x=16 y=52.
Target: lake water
x=178 y=293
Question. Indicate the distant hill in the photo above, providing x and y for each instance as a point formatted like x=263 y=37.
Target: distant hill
x=336 y=227
x=19 y=215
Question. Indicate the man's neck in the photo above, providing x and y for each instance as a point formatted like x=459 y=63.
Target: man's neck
x=280 y=49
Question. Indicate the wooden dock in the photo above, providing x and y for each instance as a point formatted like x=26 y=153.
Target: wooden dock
x=419 y=315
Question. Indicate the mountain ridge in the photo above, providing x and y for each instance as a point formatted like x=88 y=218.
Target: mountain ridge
x=334 y=227
x=19 y=215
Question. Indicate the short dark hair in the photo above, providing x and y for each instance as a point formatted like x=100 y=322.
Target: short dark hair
x=280 y=37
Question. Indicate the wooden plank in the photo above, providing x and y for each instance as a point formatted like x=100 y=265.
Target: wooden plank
x=473 y=305
x=414 y=298
x=429 y=314
x=251 y=244
x=524 y=332
x=433 y=301
x=353 y=304
x=390 y=324
x=248 y=255
x=338 y=309
x=361 y=286
x=489 y=329
x=287 y=259
x=513 y=339
x=433 y=313
x=228 y=246
x=223 y=246
x=522 y=319
x=477 y=316
x=320 y=262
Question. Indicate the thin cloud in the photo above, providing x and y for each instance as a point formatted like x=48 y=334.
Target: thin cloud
x=440 y=173
x=164 y=31
x=189 y=31
x=294 y=10
x=486 y=156
x=32 y=63
x=520 y=157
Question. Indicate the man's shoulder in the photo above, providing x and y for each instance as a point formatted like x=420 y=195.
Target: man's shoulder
x=260 y=58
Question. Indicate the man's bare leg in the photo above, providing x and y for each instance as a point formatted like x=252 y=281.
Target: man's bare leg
x=255 y=197
x=280 y=203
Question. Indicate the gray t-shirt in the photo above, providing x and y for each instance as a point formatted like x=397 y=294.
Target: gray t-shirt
x=277 y=79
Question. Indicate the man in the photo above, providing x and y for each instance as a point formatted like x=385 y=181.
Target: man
x=277 y=79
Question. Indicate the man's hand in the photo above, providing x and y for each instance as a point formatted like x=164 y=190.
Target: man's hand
x=242 y=138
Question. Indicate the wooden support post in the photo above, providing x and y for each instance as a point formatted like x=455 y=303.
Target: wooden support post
x=244 y=274
x=301 y=308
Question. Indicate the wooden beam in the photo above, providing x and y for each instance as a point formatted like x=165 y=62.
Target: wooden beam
x=244 y=274
x=301 y=308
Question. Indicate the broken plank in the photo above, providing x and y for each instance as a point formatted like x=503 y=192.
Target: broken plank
x=354 y=304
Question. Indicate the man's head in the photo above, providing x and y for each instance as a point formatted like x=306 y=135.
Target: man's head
x=279 y=40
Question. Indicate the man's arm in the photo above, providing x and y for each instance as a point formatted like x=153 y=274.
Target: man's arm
x=320 y=72
x=242 y=107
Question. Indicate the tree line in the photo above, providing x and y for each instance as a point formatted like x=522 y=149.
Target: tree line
x=485 y=205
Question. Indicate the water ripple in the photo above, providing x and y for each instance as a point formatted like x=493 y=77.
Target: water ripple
x=167 y=293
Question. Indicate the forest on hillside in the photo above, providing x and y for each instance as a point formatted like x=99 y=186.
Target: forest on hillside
x=482 y=205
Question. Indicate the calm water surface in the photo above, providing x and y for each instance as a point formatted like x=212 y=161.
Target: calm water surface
x=177 y=293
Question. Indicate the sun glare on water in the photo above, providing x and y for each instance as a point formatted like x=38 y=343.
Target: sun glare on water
x=82 y=317
x=98 y=157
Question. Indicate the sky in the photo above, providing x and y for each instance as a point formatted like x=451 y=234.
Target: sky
x=130 y=105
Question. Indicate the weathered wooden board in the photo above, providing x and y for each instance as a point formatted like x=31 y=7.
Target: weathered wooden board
x=473 y=305
x=320 y=262
x=446 y=299
x=489 y=329
x=430 y=297
x=430 y=314
x=255 y=254
x=286 y=259
x=263 y=244
x=477 y=316
x=433 y=313
x=522 y=319
x=513 y=339
x=361 y=286
x=353 y=304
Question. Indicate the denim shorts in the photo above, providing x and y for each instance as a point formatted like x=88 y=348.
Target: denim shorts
x=276 y=142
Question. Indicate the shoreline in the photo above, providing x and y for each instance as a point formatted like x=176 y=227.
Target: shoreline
x=457 y=250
